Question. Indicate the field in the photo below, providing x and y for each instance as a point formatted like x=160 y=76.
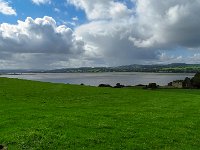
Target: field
x=36 y=115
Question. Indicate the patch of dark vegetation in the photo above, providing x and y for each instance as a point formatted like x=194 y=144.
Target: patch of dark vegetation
x=196 y=80
x=104 y=85
x=151 y=86
x=140 y=85
x=118 y=85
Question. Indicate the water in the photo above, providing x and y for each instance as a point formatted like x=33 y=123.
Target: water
x=94 y=79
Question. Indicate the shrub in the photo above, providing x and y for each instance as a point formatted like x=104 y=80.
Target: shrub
x=104 y=85
x=118 y=85
x=152 y=86
x=196 y=80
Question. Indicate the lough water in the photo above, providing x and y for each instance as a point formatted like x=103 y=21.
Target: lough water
x=94 y=79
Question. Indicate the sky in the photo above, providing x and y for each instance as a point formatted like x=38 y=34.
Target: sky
x=49 y=34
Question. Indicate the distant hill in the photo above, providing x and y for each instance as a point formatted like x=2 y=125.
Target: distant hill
x=169 y=68
x=162 y=68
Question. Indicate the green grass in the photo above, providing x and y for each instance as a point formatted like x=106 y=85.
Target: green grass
x=182 y=69
x=36 y=115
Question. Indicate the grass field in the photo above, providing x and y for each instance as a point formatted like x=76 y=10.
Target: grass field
x=36 y=115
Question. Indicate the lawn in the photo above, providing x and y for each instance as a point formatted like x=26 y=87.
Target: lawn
x=36 y=115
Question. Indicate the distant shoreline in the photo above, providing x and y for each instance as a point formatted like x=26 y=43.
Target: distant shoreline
x=163 y=68
x=94 y=79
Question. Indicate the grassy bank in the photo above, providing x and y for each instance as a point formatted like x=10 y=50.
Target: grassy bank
x=35 y=115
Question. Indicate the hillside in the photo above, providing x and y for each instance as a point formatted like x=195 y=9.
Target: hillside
x=36 y=115
x=164 y=68
x=169 y=68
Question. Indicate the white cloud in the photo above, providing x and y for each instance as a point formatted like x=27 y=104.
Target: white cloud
x=6 y=9
x=180 y=58
x=168 y=23
x=101 y=9
x=57 y=10
x=38 y=2
x=41 y=35
x=38 y=41
x=121 y=34
x=75 y=18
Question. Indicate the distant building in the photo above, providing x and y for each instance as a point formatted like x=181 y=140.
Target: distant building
x=177 y=84
x=187 y=83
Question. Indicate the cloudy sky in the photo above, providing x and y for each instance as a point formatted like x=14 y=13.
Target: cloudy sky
x=47 y=34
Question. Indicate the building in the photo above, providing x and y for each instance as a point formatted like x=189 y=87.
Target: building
x=177 y=84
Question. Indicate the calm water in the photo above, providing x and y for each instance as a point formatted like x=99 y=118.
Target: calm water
x=95 y=79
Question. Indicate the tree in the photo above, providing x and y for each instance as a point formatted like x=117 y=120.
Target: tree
x=187 y=83
x=196 y=80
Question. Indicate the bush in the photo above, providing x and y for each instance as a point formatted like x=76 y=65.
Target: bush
x=152 y=86
x=104 y=85
x=196 y=80
x=118 y=85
